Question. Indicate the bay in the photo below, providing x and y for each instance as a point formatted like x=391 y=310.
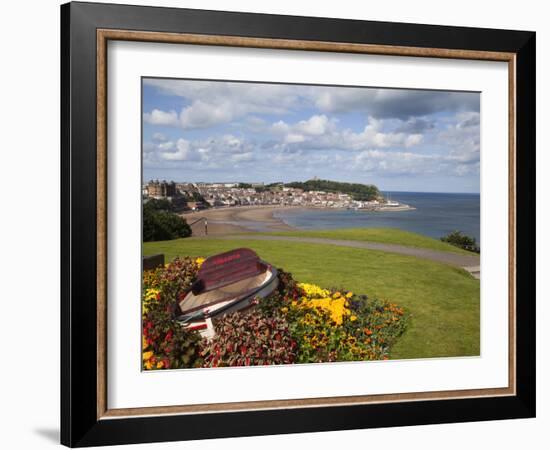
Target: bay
x=436 y=215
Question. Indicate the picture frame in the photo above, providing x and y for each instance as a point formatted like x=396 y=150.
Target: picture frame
x=86 y=418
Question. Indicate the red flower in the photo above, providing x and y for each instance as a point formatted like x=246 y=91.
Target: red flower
x=168 y=336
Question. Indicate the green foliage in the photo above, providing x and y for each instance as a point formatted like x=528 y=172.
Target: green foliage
x=379 y=323
x=195 y=196
x=262 y=188
x=287 y=291
x=361 y=192
x=158 y=204
x=368 y=330
x=166 y=344
x=161 y=224
x=249 y=339
x=458 y=239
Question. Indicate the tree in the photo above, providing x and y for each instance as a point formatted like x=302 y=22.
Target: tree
x=158 y=204
x=360 y=192
x=458 y=239
x=162 y=224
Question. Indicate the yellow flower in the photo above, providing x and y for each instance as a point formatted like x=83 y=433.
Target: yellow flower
x=144 y=342
x=353 y=318
x=349 y=295
x=160 y=365
x=148 y=365
x=199 y=261
x=313 y=291
x=151 y=294
x=147 y=356
x=335 y=307
x=336 y=295
x=284 y=309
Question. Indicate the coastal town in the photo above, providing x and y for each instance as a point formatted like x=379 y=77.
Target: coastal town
x=188 y=197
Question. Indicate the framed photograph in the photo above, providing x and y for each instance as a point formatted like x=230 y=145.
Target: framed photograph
x=276 y=224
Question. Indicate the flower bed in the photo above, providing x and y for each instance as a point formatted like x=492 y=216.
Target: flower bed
x=298 y=323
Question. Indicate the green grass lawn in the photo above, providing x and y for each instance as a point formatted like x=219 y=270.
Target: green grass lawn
x=382 y=235
x=443 y=300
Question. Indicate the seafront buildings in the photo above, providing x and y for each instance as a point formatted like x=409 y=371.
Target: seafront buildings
x=205 y=195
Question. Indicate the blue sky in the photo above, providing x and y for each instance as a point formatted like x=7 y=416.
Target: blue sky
x=398 y=139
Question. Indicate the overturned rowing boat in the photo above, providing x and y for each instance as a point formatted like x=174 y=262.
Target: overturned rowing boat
x=226 y=283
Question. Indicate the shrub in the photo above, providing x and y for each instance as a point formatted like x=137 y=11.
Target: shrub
x=158 y=204
x=458 y=239
x=166 y=344
x=335 y=325
x=378 y=324
x=287 y=291
x=161 y=224
x=249 y=339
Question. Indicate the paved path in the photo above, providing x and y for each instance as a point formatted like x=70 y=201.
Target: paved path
x=467 y=262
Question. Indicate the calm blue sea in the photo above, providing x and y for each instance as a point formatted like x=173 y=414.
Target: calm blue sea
x=436 y=214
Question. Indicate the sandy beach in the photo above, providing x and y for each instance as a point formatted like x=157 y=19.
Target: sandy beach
x=236 y=220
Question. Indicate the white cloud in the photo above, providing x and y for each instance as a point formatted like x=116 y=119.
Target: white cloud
x=241 y=157
x=202 y=115
x=159 y=137
x=158 y=117
x=280 y=127
x=212 y=103
x=315 y=126
x=164 y=146
x=320 y=132
x=395 y=163
x=413 y=139
x=181 y=154
x=215 y=151
x=400 y=134
x=374 y=136
x=209 y=103
x=462 y=138
x=294 y=138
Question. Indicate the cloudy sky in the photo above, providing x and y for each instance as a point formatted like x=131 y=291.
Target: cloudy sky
x=400 y=140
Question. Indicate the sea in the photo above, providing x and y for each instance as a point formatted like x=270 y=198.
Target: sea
x=436 y=215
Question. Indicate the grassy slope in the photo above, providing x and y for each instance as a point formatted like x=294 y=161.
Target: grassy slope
x=384 y=235
x=444 y=301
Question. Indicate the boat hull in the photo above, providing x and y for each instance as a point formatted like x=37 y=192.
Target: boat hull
x=195 y=315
